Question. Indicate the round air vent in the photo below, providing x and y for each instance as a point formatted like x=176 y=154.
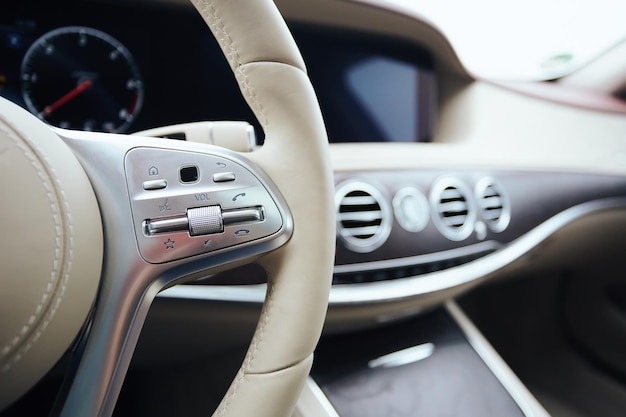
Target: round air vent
x=493 y=203
x=453 y=209
x=363 y=216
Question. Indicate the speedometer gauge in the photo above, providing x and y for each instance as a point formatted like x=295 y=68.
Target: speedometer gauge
x=81 y=78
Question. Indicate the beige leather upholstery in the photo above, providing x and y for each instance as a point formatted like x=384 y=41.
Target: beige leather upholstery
x=51 y=250
x=272 y=78
x=250 y=31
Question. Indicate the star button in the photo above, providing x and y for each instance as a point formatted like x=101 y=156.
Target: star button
x=169 y=244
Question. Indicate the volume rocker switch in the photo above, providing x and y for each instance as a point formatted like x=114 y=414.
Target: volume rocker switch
x=204 y=220
x=198 y=221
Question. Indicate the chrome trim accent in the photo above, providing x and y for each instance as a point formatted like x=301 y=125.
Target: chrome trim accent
x=403 y=357
x=356 y=231
x=412 y=287
x=361 y=216
x=349 y=235
x=418 y=259
x=313 y=402
x=167 y=225
x=243 y=215
x=416 y=220
x=501 y=223
x=362 y=200
x=442 y=190
x=529 y=405
x=254 y=293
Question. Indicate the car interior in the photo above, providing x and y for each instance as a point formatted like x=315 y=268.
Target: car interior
x=330 y=208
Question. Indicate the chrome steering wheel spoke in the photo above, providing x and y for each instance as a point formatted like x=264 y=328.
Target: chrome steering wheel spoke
x=172 y=211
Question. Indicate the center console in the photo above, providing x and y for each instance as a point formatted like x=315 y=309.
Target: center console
x=437 y=364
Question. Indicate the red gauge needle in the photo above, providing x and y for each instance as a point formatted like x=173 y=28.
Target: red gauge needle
x=67 y=97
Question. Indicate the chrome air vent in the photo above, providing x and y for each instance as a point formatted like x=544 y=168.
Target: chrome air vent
x=453 y=209
x=493 y=203
x=363 y=216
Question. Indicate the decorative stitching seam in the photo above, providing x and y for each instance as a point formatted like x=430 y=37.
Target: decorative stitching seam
x=52 y=285
x=263 y=321
x=248 y=90
x=211 y=16
x=251 y=354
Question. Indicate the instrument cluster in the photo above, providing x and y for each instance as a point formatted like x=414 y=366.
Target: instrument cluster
x=134 y=66
x=120 y=70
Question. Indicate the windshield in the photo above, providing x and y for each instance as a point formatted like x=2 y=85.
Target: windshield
x=527 y=40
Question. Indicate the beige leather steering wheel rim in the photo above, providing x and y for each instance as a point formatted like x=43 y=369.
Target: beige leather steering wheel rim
x=272 y=77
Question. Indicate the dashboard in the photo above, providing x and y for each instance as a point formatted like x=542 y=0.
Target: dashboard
x=125 y=69
x=120 y=67
x=128 y=67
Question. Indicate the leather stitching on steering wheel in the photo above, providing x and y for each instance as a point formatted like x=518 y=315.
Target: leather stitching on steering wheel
x=248 y=91
x=217 y=24
x=233 y=56
x=62 y=263
x=251 y=354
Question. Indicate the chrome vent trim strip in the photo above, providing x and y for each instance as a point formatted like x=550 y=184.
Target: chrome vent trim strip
x=407 y=288
x=419 y=259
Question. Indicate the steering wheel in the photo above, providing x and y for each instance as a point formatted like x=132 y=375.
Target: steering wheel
x=95 y=225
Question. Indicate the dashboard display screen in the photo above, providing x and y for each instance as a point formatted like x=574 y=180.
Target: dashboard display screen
x=371 y=88
x=393 y=94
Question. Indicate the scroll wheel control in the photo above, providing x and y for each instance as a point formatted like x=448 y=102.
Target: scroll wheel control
x=204 y=220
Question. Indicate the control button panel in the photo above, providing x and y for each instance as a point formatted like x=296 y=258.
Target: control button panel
x=209 y=203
